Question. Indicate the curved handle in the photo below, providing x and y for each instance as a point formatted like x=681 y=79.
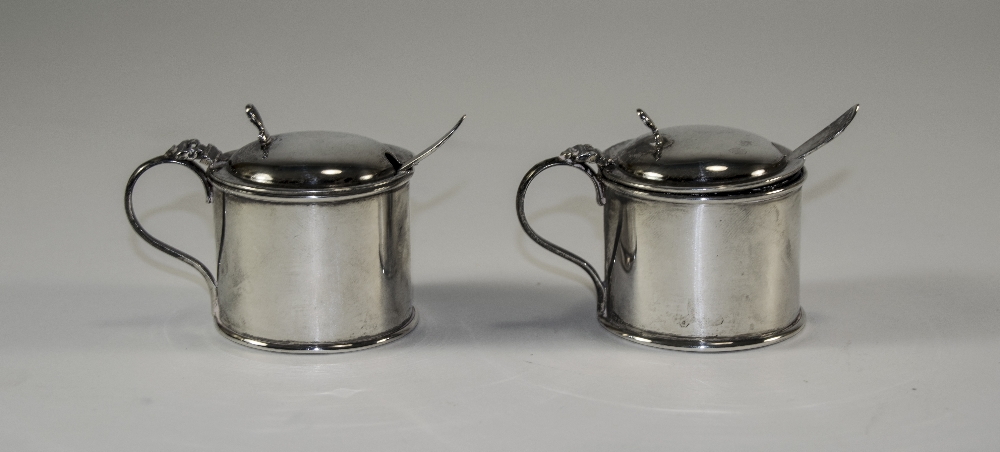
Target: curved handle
x=599 y=285
x=130 y=213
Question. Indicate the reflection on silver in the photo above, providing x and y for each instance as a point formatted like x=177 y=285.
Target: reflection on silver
x=650 y=175
x=718 y=269
x=262 y=177
x=703 y=256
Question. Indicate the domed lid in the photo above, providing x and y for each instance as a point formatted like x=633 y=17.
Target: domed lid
x=699 y=158
x=315 y=162
x=707 y=159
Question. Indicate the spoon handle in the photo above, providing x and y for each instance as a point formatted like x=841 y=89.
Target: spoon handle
x=826 y=135
x=428 y=151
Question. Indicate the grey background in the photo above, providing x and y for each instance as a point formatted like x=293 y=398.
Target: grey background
x=107 y=344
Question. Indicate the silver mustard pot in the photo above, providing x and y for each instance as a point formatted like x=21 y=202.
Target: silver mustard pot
x=312 y=237
x=701 y=233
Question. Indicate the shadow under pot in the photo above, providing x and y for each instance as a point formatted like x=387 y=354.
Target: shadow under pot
x=312 y=238
x=701 y=234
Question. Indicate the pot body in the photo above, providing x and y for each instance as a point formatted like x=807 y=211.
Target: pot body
x=313 y=274
x=693 y=271
x=711 y=273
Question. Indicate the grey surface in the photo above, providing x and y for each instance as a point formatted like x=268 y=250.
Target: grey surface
x=107 y=344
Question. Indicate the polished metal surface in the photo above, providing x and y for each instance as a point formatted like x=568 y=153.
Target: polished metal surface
x=303 y=275
x=699 y=159
x=702 y=268
x=701 y=242
x=317 y=163
x=324 y=271
x=314 y=160
x=826 y=135
x=312 y=235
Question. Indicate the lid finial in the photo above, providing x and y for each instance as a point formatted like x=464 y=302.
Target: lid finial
x=657 y=139
x=255 y=119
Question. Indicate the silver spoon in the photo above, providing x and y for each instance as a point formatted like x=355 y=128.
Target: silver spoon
x=826 y=135
x=428 y=151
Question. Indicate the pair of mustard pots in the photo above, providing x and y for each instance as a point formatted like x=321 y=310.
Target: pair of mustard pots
x=701 y=236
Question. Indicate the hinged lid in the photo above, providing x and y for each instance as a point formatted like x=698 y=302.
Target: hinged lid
x=699 y=158
x=316 y=159
x=314 y=163
x=707 y=159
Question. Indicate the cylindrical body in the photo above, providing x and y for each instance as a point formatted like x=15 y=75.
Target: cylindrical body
x=314 y=273
x=712 y=269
